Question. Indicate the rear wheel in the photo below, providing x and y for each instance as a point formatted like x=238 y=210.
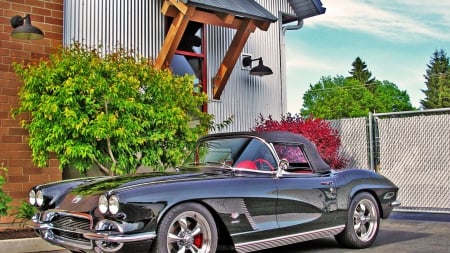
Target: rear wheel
x=186 y=228
x=362 y=223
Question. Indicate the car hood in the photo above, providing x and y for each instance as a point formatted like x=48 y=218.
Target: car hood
x=121 y=183
x=84 y=197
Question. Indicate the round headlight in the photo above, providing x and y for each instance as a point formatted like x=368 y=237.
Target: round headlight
x=113 y=204
x=32 y=197
x=103 y=204
x=39 y=198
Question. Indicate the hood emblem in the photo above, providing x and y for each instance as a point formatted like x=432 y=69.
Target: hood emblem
x=77 y=199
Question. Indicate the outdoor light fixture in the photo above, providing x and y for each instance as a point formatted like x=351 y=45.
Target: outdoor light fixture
x=259 y=70
x=24 y=30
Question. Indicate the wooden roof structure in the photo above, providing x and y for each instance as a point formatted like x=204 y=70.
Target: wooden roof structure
x=244 y=16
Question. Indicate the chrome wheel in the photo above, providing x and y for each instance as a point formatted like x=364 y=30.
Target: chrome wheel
x=189 y=232
x=186 y=228
x=365 y=220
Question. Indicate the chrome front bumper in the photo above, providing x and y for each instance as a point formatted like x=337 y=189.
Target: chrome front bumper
x=119 y=238
x=81 y=239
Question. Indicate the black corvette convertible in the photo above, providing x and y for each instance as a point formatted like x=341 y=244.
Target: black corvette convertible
x=238 y=192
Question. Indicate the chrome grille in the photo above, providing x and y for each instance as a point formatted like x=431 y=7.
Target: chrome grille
x=72 y=222
x=71 y=226
x=71 y=236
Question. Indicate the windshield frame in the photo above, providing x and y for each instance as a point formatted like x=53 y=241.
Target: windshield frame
x=230 y=155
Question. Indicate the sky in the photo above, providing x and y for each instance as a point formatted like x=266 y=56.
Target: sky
x=395 y=38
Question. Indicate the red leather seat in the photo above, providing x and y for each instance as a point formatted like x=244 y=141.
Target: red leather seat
x=247 y=164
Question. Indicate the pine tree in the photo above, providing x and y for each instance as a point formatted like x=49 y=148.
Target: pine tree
x=360 y=72
x=437 y=80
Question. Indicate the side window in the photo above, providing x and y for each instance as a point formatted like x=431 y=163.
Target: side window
x=256 y=155
x=294 y=155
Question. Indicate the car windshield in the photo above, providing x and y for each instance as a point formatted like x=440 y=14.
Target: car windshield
x=241 y=152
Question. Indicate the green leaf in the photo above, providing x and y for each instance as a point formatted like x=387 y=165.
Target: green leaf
x=88 y=108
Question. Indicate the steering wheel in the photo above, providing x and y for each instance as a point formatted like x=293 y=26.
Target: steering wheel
x=262 y=164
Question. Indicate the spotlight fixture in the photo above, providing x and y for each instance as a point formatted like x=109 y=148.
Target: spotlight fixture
x=24 y=30
x=259 y=70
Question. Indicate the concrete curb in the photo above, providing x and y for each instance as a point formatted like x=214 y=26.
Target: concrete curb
x=27 y=245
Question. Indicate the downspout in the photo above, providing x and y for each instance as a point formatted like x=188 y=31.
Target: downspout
x=283 y=84
x=298 y=26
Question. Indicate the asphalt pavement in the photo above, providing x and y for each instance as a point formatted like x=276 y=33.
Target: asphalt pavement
x=402 y=232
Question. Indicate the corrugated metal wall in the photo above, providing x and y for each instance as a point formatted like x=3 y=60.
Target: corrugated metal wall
x=135 y=25
x=139 y=25
x=245 y=96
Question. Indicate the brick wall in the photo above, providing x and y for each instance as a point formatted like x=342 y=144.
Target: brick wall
x=15 y=154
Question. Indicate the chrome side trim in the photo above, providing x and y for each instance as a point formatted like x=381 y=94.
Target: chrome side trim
x=286 y=240
x=247 y=214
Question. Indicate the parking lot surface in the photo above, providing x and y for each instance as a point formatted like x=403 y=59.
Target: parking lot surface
x=401 y=233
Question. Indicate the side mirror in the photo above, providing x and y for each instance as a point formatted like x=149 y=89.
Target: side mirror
x=228 y=162
x=284 y=164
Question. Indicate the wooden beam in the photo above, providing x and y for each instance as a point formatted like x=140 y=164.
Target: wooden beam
x=165 y=8
x=209 y=18
x=226 y=17
x=214 y=18
x=229 y=61
x=173 y=38
x=183 y=13
x=263 y=25
x=183 y=8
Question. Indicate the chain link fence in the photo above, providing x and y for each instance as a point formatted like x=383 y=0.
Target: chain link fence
x=354 y=136
x=410 y=148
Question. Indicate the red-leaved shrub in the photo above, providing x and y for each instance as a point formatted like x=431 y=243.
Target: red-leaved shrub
x=318 y=131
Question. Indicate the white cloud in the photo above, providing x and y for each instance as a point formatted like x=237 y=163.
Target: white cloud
x=299 y=61
x=395 y=37
x=304 y=69
x=398 y=20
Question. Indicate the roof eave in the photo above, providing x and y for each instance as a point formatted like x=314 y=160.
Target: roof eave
x=307 y=8
x=259 y=13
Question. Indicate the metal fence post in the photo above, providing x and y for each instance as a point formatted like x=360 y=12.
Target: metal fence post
x=371 y=143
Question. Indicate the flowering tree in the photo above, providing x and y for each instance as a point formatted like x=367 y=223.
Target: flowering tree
x=318 y=131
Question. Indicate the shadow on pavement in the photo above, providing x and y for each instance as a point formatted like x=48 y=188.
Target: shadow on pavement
x=386 y=236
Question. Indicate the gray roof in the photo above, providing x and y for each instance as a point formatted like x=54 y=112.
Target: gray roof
x=307 y=8
x=244 y=8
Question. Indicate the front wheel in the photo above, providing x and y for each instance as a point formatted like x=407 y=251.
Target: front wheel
x=186 y=228
x=362 y=223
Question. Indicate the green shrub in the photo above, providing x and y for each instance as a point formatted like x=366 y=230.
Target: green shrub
x=24 y=212
x=114 y=110
x=4 y=198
